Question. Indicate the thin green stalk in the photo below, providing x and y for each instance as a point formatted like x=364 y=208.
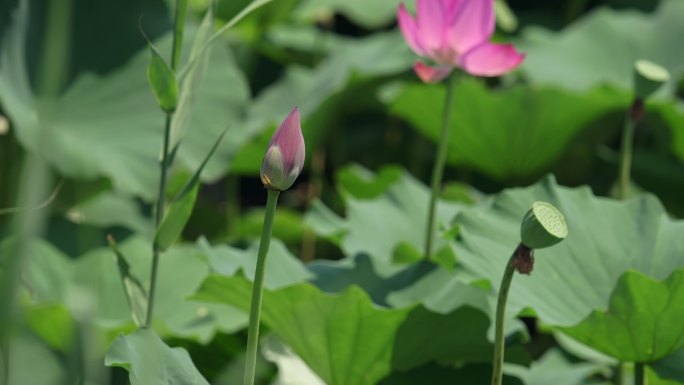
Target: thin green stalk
x=178 y=24
x=497 y=363
x=626 y=157
x=258 y=288
x=438 y=168
x=639 y=374
x=617 y=373
x=158 y=218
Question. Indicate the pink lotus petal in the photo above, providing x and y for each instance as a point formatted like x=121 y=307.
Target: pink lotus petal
x=451 y=7
x=432 y=27
x=431 y=74
x=473 y=25
x=409 y=29
x=491 y=59
x=290 y=140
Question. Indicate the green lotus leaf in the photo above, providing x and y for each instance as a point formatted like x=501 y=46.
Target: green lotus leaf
x=607 y=238
x=602 y=47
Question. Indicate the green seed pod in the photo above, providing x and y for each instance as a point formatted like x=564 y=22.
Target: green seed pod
x=648 y=77
x=542 y=226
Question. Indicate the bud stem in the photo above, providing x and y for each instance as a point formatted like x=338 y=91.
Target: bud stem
x=639 y=374
x=497 y=363
x=626 y=149
x=438 y=168
x=164 y=164
x=258 y=288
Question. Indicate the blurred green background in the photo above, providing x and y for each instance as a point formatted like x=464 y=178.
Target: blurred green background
x=369 y=125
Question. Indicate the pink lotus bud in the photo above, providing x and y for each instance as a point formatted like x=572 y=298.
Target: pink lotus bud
x=284 y=158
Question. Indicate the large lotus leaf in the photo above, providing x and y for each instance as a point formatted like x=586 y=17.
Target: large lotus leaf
x=111 y=126
x=150 y=361
x=109 y=209
x=671 y=367
x=53 y=323
x=509 y=134
x=93 y=282
x=346 y=339
x=435 y=374
x=282 y=268
x=653 y=378
x=46 y=270
x=181 y=270
x=31 y=362
x=673 y=115
x=368 y=13
x=554 y=368
x=602 y=47
x=641 y=323
x=377 y=226
x=570 y=280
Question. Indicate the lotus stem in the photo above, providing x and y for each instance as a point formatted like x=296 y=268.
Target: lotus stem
x=639 y=374
x=626 y=147
x=438 y=167
x=258 y=288
x=497 y=363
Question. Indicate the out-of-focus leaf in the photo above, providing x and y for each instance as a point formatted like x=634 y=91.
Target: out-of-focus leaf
x=671 y=367
x=673 y=115
x=367 y=13
x=34 y=363
x=325 y=222
x=181 y=270
x=377 y=226
x=46 y=273
x=282 y=269
x=97 y=116
x=553 y=368
x=364 y=184
x=150 y=361
x=52 y=277
x=52 y=323
x=111 y=209
x=528 y=133
x=435 y=374
x=288 y=225
x=603 y=46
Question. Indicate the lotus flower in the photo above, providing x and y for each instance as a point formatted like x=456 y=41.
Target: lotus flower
x=285 y=154
x=455 y=33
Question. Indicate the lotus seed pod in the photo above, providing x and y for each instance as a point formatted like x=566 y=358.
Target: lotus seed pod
x=542 y=226
x=648 y=77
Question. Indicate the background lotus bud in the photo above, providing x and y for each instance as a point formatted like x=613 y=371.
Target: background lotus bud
x=543 y=226
x=285 y=154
